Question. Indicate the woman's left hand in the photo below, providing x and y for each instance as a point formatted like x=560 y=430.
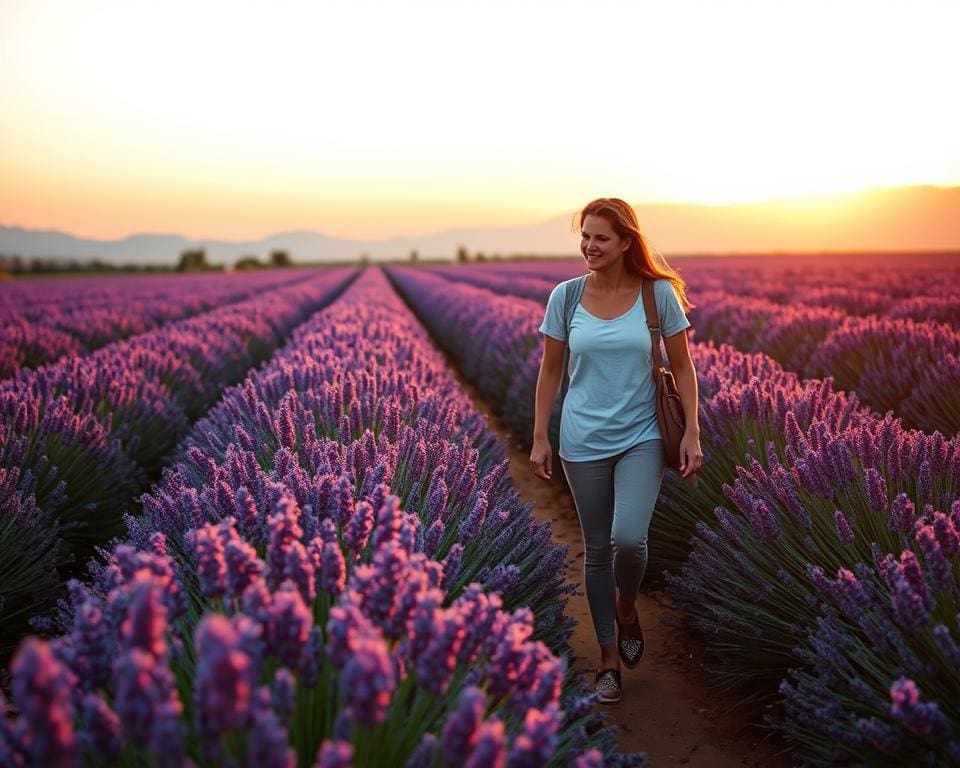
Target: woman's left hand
x=691 y=457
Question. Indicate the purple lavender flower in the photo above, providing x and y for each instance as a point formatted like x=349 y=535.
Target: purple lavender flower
x=368 y=680
x=41 y=688
x=224 y=680
x=902 y=514
x=893 y=463
x=436 y=665
x=288 y=626
x=283 y=693
x=103 y=728
x=422 y=622
x=333 y=568
x=389 y=522
x=437 y=496
x=434 y=535
x=284 y=529
x=947 y=534
x=451 y=566
x=947 y=645
x=938 y=566
x=921 y=718
x=473 y=522
x=346 y=624
x=211 y=566
x=167 y=736
x=300 y=570
x=359 y=527
x=145 y=625
x=92 y=645
x=924 y=481
x=593 y=758
x=143 y=684
x=844 y=531
x=423 y=755
x=459 y=735
x=502 y=578
x=490 y=749
x=908 y=605
x=334 y=754
x=763 y=521
x=243 y=566
x=535 y=745
x=268 y=745
x=876 y=489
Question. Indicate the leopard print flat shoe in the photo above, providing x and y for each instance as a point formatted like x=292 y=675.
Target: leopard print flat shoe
x=630 y=641
x=607 y=686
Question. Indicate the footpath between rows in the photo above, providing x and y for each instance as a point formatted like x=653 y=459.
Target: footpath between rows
x=669 y=709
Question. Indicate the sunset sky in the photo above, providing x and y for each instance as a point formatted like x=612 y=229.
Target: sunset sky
x=236 y=120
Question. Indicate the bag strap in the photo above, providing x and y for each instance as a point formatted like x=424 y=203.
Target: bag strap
x=572 y=292
x=653 y=323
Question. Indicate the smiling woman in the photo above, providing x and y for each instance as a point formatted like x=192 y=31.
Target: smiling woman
x=236 y=120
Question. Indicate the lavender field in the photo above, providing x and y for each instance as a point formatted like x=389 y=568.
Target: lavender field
x=820 y=557
x=255 y=520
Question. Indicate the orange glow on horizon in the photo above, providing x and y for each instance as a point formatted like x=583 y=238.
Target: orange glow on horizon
x=259 y=122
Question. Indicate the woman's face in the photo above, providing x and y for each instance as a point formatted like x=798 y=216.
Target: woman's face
x=599 y=244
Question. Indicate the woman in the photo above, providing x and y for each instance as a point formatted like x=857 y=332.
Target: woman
x=610 y=444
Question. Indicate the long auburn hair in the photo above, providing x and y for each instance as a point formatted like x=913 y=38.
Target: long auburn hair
x=641 y=258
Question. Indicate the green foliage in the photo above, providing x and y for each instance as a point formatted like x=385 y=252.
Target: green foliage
x=280 y=259
x=193 y=260
x=248 y=262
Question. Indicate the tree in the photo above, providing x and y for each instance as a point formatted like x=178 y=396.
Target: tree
x=193 y=260
x=414 y=256
x=280 y=259
x=248 y=262
x=462 y=255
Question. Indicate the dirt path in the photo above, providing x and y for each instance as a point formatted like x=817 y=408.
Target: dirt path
x=668 y=708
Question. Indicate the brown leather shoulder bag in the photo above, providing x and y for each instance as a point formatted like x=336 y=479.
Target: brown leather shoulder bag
x=670 y=416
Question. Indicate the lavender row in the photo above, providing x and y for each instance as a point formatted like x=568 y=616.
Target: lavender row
x=921 y=287
x=78 y=438
x=907 y=366
x=492 y=338
x=43 y=322
x=796 y=477
x=36 y=296
x=514 y=284
x=360 y=392
x=299 y=619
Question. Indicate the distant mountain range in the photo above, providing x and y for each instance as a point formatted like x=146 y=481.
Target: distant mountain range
x=899 y=218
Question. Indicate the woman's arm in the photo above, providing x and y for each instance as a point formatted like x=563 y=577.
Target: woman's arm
x=678 y=352
x=548 y=382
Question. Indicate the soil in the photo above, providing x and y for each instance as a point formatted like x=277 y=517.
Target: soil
x=669 y=709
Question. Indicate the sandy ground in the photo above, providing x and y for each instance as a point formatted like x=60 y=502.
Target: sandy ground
x=668 y=710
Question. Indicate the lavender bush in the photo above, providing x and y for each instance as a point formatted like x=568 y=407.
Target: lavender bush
x=882 y=667
x=83 y=432
x=310 y=654
x=492 y=338
x=44 y=320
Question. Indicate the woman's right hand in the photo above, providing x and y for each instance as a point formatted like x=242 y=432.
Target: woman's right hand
x=541 y=459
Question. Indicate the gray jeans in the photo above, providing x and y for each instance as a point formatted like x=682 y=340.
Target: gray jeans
x=615 y=499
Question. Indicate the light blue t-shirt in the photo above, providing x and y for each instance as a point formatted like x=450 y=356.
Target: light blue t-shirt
x=609 y=406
